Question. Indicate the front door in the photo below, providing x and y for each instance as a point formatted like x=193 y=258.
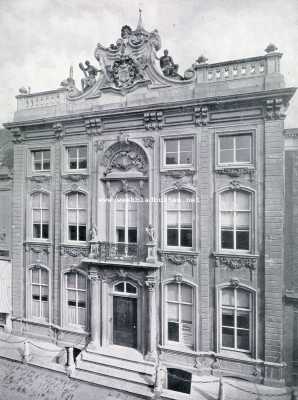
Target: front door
x=125 y=321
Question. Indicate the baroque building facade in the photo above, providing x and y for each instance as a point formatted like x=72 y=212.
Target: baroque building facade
x=148 y=217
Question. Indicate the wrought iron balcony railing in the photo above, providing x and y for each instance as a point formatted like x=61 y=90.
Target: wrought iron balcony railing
x=107 y=251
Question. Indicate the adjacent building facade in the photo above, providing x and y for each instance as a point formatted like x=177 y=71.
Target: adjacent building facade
x=148 y=217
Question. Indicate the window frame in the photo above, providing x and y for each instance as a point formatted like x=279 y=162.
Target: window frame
x=42 y=150
x=77 y=147
x=29 y=216
x=126 y=215
x=75 y=327
x=252 y=352
x=40 y=193
x=66 y=230
x=30 y=292
x=195 y=321
x=252 y=221
x=176 y=136
x=165 y=220
x=234 y=133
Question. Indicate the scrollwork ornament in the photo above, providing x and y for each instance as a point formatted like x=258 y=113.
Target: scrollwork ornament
x=149 y=142
x=180 y=259
x=236 y=262
x=150 y=283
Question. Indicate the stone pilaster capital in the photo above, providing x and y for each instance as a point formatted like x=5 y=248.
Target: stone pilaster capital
x=94 y=276
x=150 y=283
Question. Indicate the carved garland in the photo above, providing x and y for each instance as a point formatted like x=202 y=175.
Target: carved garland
x=179 y=259
x=235 y=262
x=74 y=251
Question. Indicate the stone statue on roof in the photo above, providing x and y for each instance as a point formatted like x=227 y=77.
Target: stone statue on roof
x=90 y=73
x=167 y=65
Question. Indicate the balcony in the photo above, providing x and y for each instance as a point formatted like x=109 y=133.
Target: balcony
x=126 y=254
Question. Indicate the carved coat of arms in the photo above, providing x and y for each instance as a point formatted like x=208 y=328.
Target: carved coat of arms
x=125 y=72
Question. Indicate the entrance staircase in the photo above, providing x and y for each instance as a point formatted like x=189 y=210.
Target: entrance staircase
x=116 y=369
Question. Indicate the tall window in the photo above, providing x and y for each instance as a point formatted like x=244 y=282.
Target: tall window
x=236 y=319
x=178 y=151
x=40 y=215
x=126 y=218
x=179 y=215
x=179 y=311
x=77 y=157
x=76 y=204
x=235 y=149
x=40 y=293
x=76 y=298
x=41 y=160
x=235 y=220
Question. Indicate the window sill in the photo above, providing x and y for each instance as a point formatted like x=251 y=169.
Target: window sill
x=235 y=355
x=178 y=348
x=178 y=250
x=178 y=169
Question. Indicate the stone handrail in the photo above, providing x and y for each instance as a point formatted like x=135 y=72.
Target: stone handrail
x=43 y=99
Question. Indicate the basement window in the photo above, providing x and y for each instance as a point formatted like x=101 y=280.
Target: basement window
x=179 y=380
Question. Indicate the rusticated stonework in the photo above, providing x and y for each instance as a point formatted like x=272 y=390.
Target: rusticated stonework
x=235 y=261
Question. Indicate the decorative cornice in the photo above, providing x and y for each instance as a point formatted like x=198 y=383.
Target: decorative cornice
x=59 y=130
x=236 y=172
x=149 y=141
x=235 y=262
x=94 y=126
x=74 y=251
x=153 y=120
x=201 y=115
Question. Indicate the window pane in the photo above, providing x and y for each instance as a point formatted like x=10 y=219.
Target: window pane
x=227 y=298
x=72 y=201
x=227 y=239
x=186 y=237
x=36 y=231
x=186 y=157
x=120 y=218
x=45 y=216
x=72 y=152
x=226 y=142
x=243 y=319
x=243 y=340
x=172 y=218
x=243 y=155
x=130 y=288
x=119 y=287
x=173 y=312
x=36 y=308
x=173 y=331
x=242 y=220
x=44 y=293
x=82 y=299
x=71 y=297
x=172 y=145
x=37 y=165
x=120 y=235
x=227 y=201
x=82 y=164
x=82 y=200
x=172 y=237
x=226 y=156
x=36 y=216
x=172 y=201
x=132 y=235
x=242 y=201
x=35 y=275
x=82 y=217
x=83 y=152
x=243 y=297
x=228 y=337
x=243 y=142
x=73 y=164
x=186 y=144
x=227 y=219
x=82 y=316
x=46 y=154
x=72 y=232
x=72 y=217
x=36 y=200
x=82 y=232
x=36 y=292
x=171 y=158
x=37 y=155
x=186 y=293
x=186 y=313
x=132 y=218
x=242 y=240
x=172 y=292
x=81 y=281
x=228 y=317
x=46 y=165
x=45 y=201
x=71 y=314
x=71 y=280
x=44 y=277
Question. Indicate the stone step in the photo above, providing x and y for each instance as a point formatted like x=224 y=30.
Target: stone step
x=112 y=382
x=143 y=367
x=112 y=371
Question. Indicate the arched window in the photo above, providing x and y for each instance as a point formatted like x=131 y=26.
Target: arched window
x=126 y=218
x=179 y=219
x=39 y=293
x=76 y=299
x=179 y=313
x=76 y=205
x=40 y=215
x=235 y=220
x=236 y=319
